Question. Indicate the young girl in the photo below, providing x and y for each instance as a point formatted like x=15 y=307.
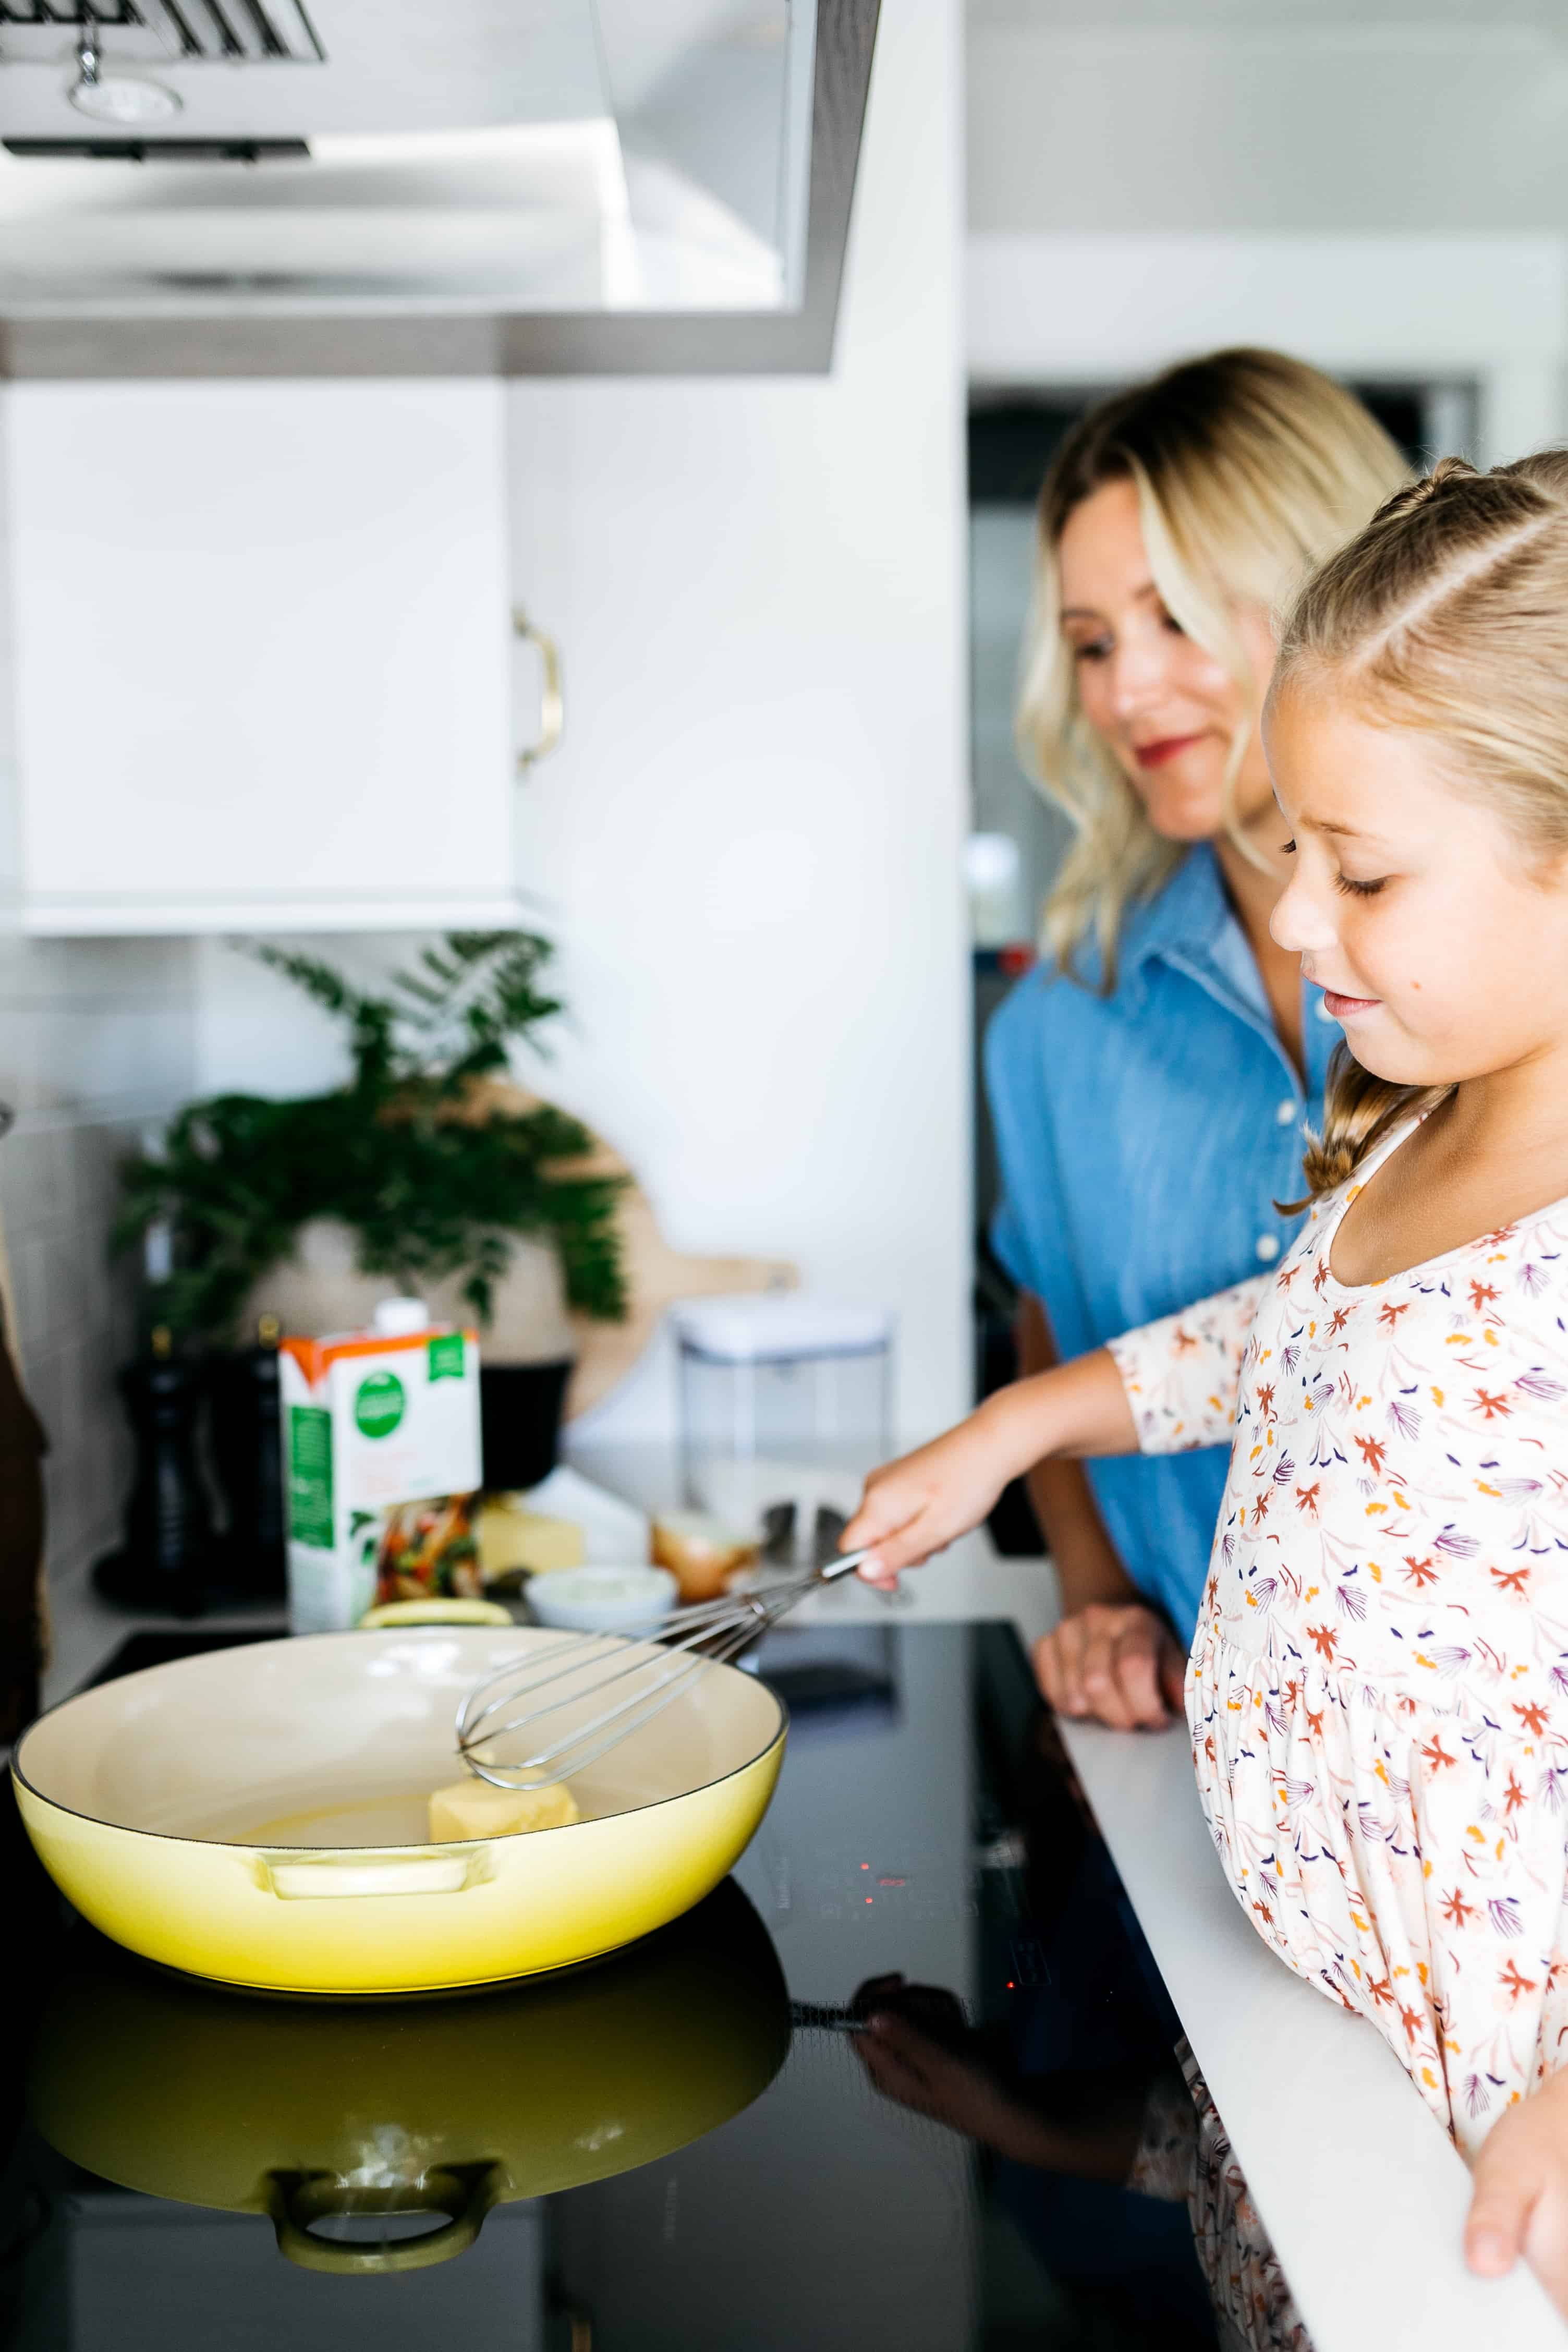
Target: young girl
x=1379 y=1689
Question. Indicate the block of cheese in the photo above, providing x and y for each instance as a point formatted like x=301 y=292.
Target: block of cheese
x=512 y=1537
x=475 y=1809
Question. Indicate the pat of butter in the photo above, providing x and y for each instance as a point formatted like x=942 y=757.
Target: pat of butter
x=477 y=1808
x=511 y=1537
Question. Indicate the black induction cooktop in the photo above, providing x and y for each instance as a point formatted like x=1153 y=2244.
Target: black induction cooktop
x=697 y=2146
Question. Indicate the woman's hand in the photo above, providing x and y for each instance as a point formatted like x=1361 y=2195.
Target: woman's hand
x=915 y=1506
x=917 y=2049
x=1118 y=1664
x=907 y=2065
x=1520 y=2203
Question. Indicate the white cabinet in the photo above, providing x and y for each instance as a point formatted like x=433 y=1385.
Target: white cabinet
x=263 y=656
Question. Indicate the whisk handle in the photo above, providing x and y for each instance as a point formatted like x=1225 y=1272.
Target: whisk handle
x=845 y=1567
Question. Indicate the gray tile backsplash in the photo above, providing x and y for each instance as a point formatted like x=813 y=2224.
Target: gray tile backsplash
x=97 y=1038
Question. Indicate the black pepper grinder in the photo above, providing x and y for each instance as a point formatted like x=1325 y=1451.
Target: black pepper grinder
x=166 y=1559
x=245 y=1439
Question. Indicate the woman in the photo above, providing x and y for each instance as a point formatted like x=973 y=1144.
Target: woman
x=1150 y=1081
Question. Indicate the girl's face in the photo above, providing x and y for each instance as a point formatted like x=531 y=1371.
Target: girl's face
x=1167 y=712
x=1442 y=943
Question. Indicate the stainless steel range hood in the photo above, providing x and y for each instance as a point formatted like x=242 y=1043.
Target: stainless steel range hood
x=159 y=31
x=191 y=186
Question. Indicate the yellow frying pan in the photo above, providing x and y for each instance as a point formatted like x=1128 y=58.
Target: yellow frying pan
x=306 y=2111
x=257 y=1815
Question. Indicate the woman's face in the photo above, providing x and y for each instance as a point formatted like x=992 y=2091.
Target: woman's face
x=1167 y=712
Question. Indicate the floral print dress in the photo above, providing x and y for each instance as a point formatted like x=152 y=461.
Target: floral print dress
x=1379 y=1689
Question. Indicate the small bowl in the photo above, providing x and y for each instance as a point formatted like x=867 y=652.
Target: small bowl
x=603 y=1599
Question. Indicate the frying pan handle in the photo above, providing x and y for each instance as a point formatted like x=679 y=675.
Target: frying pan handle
x=296 y=2200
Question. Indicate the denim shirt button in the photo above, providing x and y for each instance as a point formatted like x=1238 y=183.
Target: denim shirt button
x=1267 y=1248
x=1288 y=1113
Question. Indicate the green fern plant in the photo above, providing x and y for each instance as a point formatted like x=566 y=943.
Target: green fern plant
x=430 y=1185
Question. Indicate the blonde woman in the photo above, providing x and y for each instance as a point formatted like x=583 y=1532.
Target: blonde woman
x=1150 y=1082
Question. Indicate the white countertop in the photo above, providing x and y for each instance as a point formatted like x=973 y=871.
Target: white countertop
x=1364 y=2196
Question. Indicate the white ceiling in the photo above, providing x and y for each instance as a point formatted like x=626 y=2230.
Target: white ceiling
x=1253 y=118
x=1270 y=18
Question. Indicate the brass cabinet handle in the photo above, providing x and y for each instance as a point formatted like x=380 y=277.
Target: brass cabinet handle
x=552 y=706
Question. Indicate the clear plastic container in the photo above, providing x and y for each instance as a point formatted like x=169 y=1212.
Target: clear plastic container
x=784 y=1376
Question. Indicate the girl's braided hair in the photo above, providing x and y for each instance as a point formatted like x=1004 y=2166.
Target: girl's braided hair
x=1447 y=616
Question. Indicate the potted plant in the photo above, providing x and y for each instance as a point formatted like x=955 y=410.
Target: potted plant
x=432 y=1168
x=432 y=1172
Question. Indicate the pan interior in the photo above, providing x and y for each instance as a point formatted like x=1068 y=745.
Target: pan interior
x=338 y=1739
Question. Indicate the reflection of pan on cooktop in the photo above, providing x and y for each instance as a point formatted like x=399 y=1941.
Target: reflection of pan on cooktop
x=312 y=2114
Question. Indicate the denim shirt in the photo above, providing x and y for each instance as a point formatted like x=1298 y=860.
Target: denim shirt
x=1143 y=1138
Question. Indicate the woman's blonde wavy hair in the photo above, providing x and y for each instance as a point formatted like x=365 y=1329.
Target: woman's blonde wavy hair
x=1250 y=467
x=1447 y=616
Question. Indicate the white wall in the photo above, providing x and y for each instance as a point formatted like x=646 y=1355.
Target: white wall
x=256 y=1033
x=1094 y=310
x=749 y=843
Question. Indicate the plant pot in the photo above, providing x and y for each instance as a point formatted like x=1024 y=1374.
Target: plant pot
x=519 y=1421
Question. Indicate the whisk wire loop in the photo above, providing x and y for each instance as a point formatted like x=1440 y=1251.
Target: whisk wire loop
x=661 y=1670
x=565 y=1660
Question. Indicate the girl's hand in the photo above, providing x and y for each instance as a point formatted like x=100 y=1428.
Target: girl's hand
x=915 y=1506
x=1520 y=2204
x=1119 y=1664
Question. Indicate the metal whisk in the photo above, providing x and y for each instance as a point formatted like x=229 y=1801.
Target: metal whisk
x=689 y=1641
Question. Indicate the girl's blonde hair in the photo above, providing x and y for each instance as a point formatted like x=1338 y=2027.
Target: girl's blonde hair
x=1448 y=615
x=1250 y=469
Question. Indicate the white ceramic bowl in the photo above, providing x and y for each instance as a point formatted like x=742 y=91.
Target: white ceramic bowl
x=603 y=1599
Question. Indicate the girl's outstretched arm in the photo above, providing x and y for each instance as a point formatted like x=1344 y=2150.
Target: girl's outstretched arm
x=1163 y=1389
x=1520 y=2204
x=913 y=1507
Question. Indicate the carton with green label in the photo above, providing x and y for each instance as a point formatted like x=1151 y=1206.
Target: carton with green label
x=381 y=1461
